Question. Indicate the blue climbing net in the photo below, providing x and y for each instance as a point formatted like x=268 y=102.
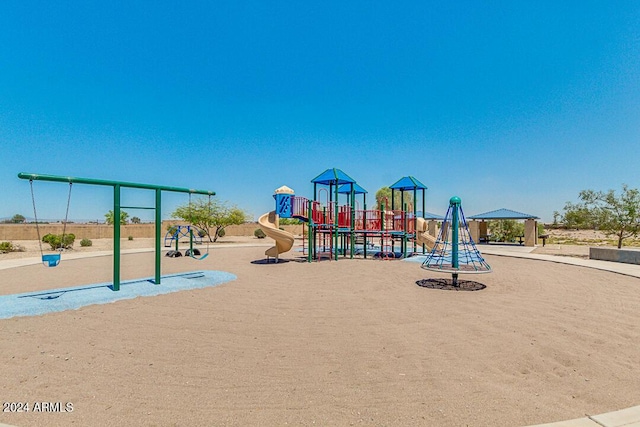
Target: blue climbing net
x=461 y=256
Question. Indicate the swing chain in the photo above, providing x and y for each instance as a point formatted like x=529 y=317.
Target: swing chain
x=35 y=216
x=66 y=217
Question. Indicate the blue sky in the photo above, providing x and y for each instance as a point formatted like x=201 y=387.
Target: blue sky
x=504 y=103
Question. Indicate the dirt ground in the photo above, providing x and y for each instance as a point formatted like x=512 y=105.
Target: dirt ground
x=352 y=342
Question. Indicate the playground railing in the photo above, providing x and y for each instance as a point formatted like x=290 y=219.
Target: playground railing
x=344 y=217
x=394 y=220
x=369 y=220
x=300 y=207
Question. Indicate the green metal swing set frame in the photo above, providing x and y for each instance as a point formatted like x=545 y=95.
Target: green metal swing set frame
x=117 y=186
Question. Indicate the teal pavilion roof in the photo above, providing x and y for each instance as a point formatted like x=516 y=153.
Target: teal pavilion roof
x=333 y=176
x=503 y=214
x=408 y=183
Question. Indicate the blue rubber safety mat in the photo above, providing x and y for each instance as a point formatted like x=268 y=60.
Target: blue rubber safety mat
x=416 y=258
x=49 y=301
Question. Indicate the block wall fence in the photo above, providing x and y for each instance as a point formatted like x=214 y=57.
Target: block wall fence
x=9 y=232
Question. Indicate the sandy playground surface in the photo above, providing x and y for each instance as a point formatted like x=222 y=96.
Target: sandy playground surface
x=353 y=342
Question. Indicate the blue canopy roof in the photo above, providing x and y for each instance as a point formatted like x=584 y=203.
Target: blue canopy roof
x=333 y=176
x=503 y=214
x=429 y=215
x=408 y=183
x=346 y=189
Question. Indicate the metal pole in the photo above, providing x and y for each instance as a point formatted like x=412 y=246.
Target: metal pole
x=158 y=234
x=75 y=180
x=454 y=236
x=405 y=234
x=364 y=226
x=335 y=220
x=117 y=185
x=310 y=234
x=382 y=220
x=353 y=219
x=116 y=237
x=415 y=217
x=423 y=215
x=364 y=222
x=455 y=205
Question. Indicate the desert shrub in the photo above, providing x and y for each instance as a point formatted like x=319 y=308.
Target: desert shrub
x=85 y=242
x=259 y=233
x=6 y=247
x=202 y=233
x=221 y=232
x=55 y=240
x=130 y=237
x=10 y=247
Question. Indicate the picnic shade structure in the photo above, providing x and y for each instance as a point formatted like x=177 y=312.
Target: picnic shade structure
x=478 y=225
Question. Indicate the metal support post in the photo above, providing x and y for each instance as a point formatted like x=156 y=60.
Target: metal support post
x=116 y=237
x=158 y=234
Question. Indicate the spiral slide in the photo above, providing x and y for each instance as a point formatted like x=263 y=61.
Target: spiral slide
x=284 y=240
x=422 y=234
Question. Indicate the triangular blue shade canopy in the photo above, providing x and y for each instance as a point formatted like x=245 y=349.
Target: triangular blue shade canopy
x=429 y=215
x=346 y=189
x=408 y=183
x=503 y=214
x=333 y=176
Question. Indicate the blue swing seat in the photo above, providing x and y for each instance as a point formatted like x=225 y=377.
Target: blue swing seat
x=51 y=260
x=201 y=258
x=193 y=254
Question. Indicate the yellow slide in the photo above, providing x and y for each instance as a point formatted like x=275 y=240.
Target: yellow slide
x=422 y=234
x=284 y=240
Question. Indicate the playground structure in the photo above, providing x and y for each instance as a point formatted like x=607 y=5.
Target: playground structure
x=177 y=232
x=284 y=240
x=455 y=251
x=117 y=187
x=190 y=232
x=348 y=229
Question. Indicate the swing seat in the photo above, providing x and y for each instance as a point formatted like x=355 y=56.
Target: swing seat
x=51 y=260
x=194 y=252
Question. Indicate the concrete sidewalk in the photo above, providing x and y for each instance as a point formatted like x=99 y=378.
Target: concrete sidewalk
x=629 y=417
x=526 y=252
x=21 y=262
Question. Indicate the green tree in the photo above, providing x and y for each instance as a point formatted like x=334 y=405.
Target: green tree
x=18 y=219
x=135 y=220
x=579 y=216
x=506 y=230
x=617 y=215
x=109 y=217
x=383 y=195
x=210 y=215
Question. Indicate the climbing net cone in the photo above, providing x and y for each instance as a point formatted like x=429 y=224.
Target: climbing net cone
x=455 y=251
